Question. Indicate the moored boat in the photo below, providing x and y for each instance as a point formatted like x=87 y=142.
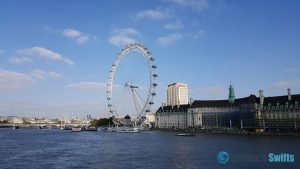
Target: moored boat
x=89 y=129
x=76 y=129
x=185 y=134
x=129 y=130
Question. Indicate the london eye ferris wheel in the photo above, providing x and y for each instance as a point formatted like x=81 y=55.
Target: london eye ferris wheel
x=131 y=83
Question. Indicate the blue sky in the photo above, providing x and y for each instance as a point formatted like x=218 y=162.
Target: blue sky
x=55 y=55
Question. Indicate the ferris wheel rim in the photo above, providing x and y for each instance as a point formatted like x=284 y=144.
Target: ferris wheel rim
x=152 y=85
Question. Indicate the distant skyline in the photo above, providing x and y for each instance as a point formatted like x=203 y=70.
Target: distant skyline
x=55 y=56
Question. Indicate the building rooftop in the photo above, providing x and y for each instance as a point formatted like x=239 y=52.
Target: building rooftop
x=281 y=99
x=177 y=83
x=225 y=103
x=176 y=108
x=252 y=99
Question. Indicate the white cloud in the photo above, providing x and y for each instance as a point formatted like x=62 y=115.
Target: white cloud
x=20 y=60
x=197 y=5
x=287 y=84
x=175 y=25
x=151 y=14
x=38 y=74
x=42 y=53
x=80 y=37
x=54 y=74
x=19 y=107
x=71 y=33
x=10 y=80
x=69 y=62
x=167 y=40
x=121 y=40
x=87 y=85
x=123 y=37
x=42 y=75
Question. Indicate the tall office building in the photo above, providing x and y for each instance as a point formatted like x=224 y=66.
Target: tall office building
x=177 y=94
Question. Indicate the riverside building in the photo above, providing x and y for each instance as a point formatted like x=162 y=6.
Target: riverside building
x=172 y=116
x=249 y=113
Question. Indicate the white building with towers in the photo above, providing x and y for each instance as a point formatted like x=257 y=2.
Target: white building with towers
x=177 y=94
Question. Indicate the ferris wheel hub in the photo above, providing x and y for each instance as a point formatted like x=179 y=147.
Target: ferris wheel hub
x=131 y=85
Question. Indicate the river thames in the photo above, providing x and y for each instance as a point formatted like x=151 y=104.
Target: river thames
x=35 y=149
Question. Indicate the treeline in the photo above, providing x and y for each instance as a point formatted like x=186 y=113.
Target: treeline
x=102 y=122
x=4 y=121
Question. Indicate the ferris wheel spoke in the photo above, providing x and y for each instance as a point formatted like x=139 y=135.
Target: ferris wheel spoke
x=141 y=80
x=142 y=94
x=140 y=72
x=146 y=101
x=135 y=66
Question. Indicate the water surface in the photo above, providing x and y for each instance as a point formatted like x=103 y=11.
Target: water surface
x=36 y=149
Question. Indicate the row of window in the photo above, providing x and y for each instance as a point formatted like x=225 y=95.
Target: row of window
x=284 y=116
x=167 y=125
x=172 y=111
x=282 y=111
x=172 y=119
x=278 y=106
x=213 y=110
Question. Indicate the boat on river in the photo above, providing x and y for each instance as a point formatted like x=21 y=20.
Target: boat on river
x=128 y=130
x=76 y=129
x=186 y=134
x=88 y=128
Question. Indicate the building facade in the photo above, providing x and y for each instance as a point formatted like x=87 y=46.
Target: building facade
x=220 y=113
x=279 y=112
x=172 y=116
x=249 y=113
x=177 y=94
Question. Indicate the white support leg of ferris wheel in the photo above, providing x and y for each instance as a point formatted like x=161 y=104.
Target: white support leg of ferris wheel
x=140 y=104
x=134 y=100
x=138 y=100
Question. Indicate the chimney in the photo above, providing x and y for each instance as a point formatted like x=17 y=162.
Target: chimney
x=261 y=97
x=289 y=94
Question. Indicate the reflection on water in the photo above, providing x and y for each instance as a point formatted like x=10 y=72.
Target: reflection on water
x=30 y=148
